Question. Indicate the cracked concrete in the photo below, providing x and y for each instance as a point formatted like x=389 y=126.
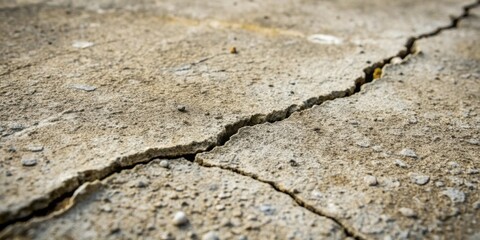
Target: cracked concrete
x=143 y=202
x=177 y=61
x=120 y=63
x=399 y=160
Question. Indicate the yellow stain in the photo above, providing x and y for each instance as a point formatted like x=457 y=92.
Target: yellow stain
x=270 y=31
x=377 y=73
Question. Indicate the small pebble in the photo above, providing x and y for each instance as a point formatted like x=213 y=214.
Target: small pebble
x=406 y=152
x=84 y=87
x=267 y=209
x=180 y=219
x=35 y=148
x=476 y=205
x=407 y=212
x=377 y=148
x=181 y=108
x=370 y=180
x=17 y=127
x=474 y=141
x=472 y=171
x=106 y=208
x=82 y=44
x=400 y=163
x=164 y=164
x=455 y=195
x=210 y=236
x=439 y=184
x=142 y=184
x=396 y=60
x=29 y=162
x=224 y=195
x=419 y=179
x=363 y=144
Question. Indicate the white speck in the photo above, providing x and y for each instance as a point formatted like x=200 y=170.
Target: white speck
x=407 y=212
x=396 y=60
x=377 y=148
x=180 y=218
x=82 y=44
x=164 y=164
x=439 y=184
x=400 y=163
x=473 y=141
x=83 y=87
x=29 y=162
x=419 y=179
x=324 y=39
x=363 y=144
x=35 y=148
x=370 y=180
x=210 y=236
x=316 y=195
x=406 y=152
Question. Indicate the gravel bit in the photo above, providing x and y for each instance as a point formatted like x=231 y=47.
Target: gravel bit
x=180 y=218
x=407 y=212
x=210 y=236
x=181 y=108
x=419 y=179
x=164 y=164
x=29 y=162
x=370 y=180
x=400 y=163
x=455 y=195
x=406 y=152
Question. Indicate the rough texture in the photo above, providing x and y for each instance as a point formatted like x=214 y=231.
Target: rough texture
x=184 y=201
x=399 y=160
x=99 y=85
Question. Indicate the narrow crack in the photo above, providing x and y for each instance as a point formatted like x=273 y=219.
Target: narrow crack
x=47 y=205
x=349 y=232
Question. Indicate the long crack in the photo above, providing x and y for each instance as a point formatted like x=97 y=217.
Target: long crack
x=47 y=205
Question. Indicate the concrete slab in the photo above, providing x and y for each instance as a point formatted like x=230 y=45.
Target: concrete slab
x=399 y=160
x=87 y=90
x=180 y=201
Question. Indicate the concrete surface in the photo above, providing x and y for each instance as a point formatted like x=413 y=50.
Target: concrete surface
x=399 y=160
x=91 y=88
x=146 y=202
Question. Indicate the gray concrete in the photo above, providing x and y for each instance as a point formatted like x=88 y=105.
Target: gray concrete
x=88 y=88
x=398 y=160
x=181 y=201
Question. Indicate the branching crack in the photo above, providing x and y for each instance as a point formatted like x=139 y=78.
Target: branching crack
x=49 y=204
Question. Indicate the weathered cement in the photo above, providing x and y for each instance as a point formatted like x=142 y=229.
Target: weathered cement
x=89 y=89
x=142 y=203
x=399 y=160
